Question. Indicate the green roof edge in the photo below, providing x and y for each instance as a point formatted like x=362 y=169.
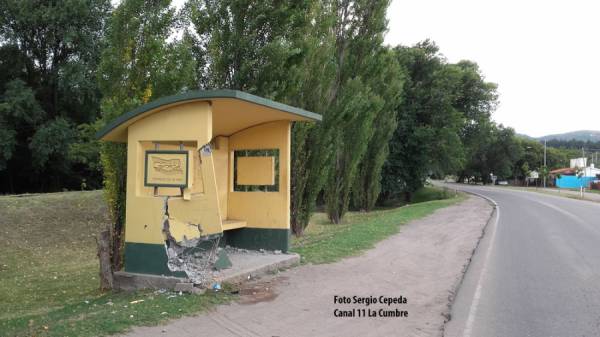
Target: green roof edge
x=205 y=94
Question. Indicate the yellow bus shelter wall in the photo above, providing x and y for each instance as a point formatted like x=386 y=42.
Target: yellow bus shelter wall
x=221 y=163
x=260 y=209
x=196 y=213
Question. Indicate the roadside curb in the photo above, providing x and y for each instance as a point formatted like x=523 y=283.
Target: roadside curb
x=494 y=215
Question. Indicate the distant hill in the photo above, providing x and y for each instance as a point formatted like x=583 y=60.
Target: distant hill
x=522 y=135
x=581 y=135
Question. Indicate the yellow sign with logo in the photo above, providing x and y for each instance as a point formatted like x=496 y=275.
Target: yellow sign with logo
x=166 y=168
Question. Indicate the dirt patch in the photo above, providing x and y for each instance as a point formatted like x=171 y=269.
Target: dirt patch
x=263 y=290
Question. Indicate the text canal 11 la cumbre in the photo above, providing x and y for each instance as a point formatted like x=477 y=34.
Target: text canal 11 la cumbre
x=370 y=306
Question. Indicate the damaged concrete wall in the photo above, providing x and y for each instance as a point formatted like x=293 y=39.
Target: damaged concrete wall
x=185 y=221
x=187 y=249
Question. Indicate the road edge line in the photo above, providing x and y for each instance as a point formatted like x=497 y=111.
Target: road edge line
x=494 y=216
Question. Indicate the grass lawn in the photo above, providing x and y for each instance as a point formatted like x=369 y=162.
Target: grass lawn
x=49 y=272
x=324 y=242
x=49 y=269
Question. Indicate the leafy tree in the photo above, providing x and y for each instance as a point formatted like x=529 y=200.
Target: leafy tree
x=387 y=78
x=497 y=154
x=281 y=50
x=359 y=29
x=49 y=53
x=427 y=139
x=8 y=141
x=50 y=143
x=525 y=171
x=311 y=142
x=477 y=100
x=138 y=64
x=544 y=173
x=559 y=158
x=85 y=155
x=249 y=45
x=19 y=111
x=354 y=107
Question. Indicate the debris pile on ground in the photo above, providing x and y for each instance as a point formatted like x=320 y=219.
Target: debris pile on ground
x=201 y=258
x=196 y=262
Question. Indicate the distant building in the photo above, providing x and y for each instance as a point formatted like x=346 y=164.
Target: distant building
x=577 y=175
x=533 y=175
x=578 y=162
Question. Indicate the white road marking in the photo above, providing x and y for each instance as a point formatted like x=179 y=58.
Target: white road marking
x=477 y=296
x=468 y=329
x=560 y=210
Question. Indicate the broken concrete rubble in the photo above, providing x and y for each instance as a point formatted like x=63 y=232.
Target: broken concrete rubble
x=246 y=265
x=184 y=287
x=195 y=255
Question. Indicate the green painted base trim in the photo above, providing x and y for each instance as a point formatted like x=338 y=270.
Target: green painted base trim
x=146 y=258
x=259 y=238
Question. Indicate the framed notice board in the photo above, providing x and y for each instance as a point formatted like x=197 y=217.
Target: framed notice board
x=166 y=168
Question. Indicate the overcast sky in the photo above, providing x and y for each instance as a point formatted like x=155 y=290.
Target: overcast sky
x=544 y=55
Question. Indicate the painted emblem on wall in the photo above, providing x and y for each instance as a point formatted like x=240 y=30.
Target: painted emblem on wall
x=166 y=168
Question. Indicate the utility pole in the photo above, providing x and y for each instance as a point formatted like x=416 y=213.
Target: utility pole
x=545 y=168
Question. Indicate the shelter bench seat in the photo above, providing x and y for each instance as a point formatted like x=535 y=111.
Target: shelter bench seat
x=230 y=224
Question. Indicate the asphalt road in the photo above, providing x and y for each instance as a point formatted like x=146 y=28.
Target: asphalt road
x=536 y=271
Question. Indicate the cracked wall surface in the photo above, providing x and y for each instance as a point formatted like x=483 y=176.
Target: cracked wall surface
x=187 y=250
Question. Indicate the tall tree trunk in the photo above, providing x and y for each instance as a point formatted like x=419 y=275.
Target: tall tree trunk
x=106 y=276
x=116 y=244
x=407 y=196
x=297 y=228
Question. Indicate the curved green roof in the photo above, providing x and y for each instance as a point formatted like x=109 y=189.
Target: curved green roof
x=205 y=95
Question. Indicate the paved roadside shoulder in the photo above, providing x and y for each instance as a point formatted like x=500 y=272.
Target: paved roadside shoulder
x=423 y=264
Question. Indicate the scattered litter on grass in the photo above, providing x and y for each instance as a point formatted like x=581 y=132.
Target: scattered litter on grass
x=136 y=301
